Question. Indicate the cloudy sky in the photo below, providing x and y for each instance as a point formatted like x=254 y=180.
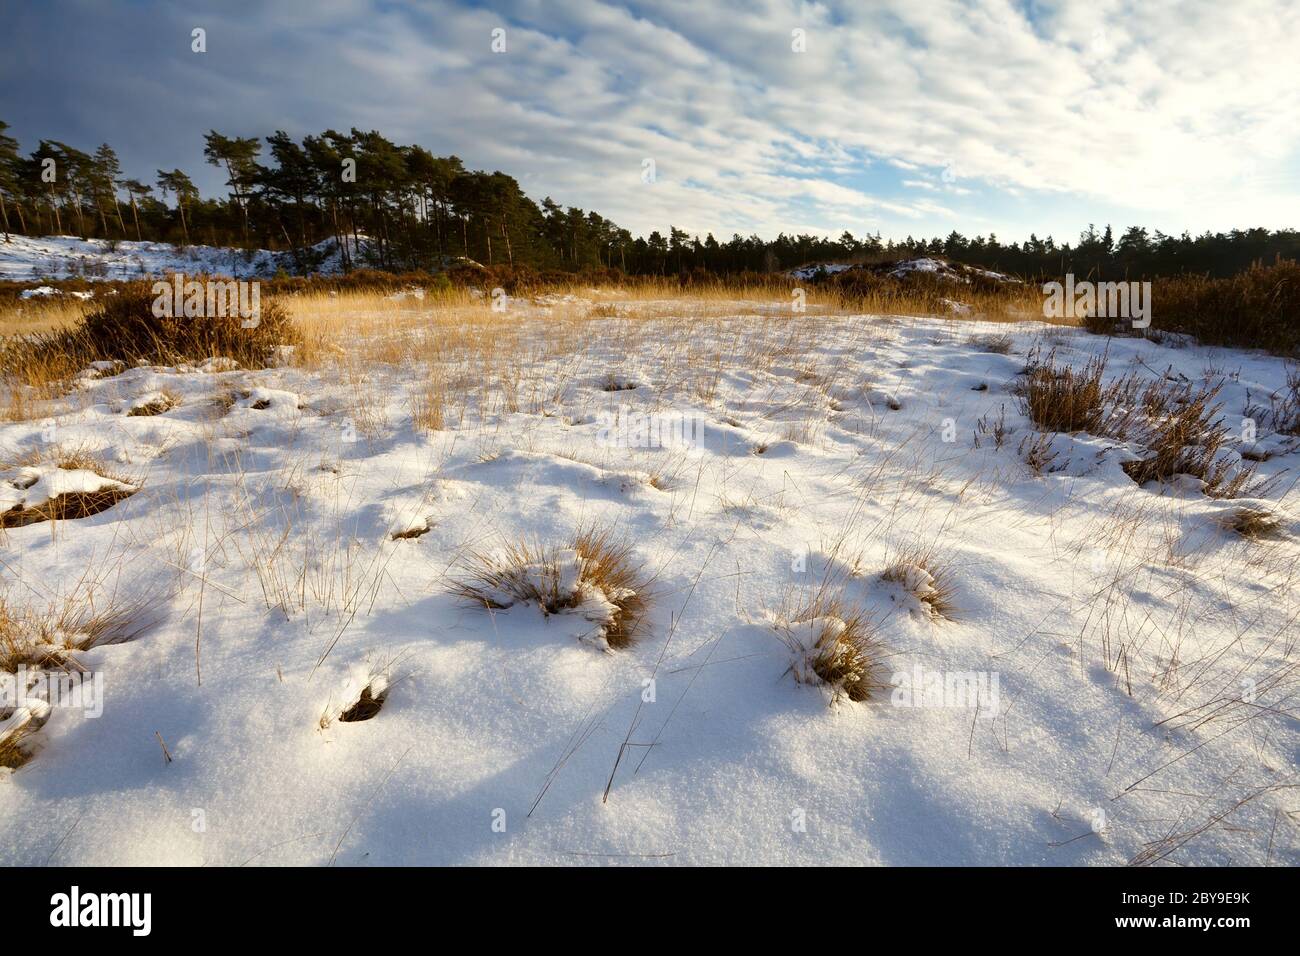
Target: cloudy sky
x=897 y=116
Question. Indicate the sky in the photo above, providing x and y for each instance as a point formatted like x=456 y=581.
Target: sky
x=902 y=117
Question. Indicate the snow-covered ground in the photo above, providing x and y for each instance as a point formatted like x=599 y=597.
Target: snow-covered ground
x=952 y=272
x=298 y=537
x=819 y=268
x=27 y=258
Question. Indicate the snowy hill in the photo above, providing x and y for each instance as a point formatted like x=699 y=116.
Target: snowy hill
x=940 y=268
x=26 y=258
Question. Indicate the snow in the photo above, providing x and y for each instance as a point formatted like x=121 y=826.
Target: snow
x=820 y=268
x=45 y=291
x=945 y=270
x=898 y=270
x=918 y=265
x=1139 y=649
x=34 y=486
x=24 y=258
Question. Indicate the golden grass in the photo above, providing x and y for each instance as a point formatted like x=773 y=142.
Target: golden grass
x=1179 y=424
x=1253 y=522
x=51 y=634
x=926 y=578
x=544 y=575
x=51 y=314
x=427 y=400
x=1062 y=399
x=843 y=652
x=12 y=752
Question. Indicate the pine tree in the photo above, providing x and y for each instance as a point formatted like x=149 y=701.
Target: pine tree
x=179 y=185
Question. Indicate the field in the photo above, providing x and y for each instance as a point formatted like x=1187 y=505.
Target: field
x=603 y=574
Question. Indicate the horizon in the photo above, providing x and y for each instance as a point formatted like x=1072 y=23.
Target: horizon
x=746 y=134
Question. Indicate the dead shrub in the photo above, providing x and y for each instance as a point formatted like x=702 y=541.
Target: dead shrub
x=124 y=327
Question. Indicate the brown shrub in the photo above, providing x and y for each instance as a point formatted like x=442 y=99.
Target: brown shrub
x=1184 y=436
x=1253 y=309
x=1058 y=398
x=125 y=327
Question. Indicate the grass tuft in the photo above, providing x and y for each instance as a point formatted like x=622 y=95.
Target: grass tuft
x=164 y=401
x=926 y=579
x=594 y=577
x=835 y=645
x=1252 y=523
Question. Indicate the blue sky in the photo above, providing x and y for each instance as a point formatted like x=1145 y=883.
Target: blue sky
x=897 y=116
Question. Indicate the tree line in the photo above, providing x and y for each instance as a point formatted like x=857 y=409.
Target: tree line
x=419 y=211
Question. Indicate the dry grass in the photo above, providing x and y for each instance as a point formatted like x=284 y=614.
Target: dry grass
x=1062 y=399
x=1037 y=452
x=927 y=579
x=995 y=428
x=42 y=315
x=1253 y=523
x=124 y=328
x=13 y=752
x=48 y=638
x=594 y=576
x=997 y=344
x=1185 y=436
x=834 y=644
x=1254 y=309
x=165 y=402
x=427 y=401
x=1177 y=422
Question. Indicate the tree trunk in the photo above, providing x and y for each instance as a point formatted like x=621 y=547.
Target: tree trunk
x=58 y=220
x=81 y=220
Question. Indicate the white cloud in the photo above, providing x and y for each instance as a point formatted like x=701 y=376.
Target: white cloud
x=1182 y=113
